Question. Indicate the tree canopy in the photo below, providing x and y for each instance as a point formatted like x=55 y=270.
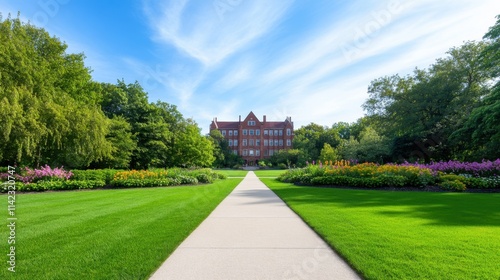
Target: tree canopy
x=53 y=112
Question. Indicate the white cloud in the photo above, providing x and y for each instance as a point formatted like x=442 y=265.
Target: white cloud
x=211 y=32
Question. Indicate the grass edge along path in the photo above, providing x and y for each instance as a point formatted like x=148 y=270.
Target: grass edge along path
x=105 y=234
x=403 y=235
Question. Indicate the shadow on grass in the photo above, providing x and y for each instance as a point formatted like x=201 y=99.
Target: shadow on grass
x=442 y=209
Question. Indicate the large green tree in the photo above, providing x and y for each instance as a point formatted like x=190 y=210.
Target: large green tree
x=421 y=111
x=480 y=135
x=49 y=104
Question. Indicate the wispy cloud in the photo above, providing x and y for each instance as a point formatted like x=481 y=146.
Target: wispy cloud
x=212 y=31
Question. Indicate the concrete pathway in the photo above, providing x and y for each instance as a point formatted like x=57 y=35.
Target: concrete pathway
x=252 y=234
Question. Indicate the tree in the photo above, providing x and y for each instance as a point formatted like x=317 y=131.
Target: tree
x=223 y=155
x=328 y=153
x=123 y=145
x=428 y=106
x=371 y=147
x=290 y=158
x=51 y=110
x=190 y=148
x=311 y=138
x=480 y=134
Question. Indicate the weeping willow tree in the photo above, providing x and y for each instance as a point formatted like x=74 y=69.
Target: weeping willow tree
x=50 y=107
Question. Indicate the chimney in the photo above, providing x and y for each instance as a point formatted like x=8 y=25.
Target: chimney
x=264 y=118
x=240 y=118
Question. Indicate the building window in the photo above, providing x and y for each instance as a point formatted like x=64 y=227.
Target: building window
x=223 y=132
x=235 y=152
x=230 y=143
x=230 y=132
x=236 y=133
x=276 y=143
x=281 y=132
x=266 y=132
x=266 y=152
x=251 y=123
x=257 y=142
x=270 y=132
x=276 y=132
x=265 y=142
x=250 y=153
x=288 y=131
x=281 y=143
x=250 y=142
x=257 y=132
x=288 y=142
x=244 y=142
x=245 y=152
x=257 y=152
x=271 y=152
x=271 y=142
x=235 y=142
x=245 y=132
x=250 y=132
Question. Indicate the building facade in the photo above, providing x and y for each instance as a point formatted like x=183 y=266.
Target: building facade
x=253 y=139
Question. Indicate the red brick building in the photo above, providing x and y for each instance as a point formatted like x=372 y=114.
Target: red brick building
x=253 y=139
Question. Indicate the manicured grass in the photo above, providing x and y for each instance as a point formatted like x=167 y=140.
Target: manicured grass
x=104 y=234
x=269 y=173
x=404 y=235
x=232 y=173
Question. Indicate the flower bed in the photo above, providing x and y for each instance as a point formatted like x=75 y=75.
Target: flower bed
x=47 y=178
x=456 y=177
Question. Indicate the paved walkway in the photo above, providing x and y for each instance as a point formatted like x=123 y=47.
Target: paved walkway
x=252 y=234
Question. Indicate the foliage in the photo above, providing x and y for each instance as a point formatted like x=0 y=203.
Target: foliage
x=371 y=147
x=449 y=176
x=223 y=155
x=287 y=157
x=49 y=103
x=41 y=186
x=485 y=168
x=161 y=177
x=105 y=175
x=44 y=173
x=311 y=138
x=446 y=111
x=328 y=153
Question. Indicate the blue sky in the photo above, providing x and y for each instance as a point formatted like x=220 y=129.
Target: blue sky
x=311 y=60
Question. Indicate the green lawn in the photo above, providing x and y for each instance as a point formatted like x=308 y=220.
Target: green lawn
x=404 y=235
x=269 y=173
x=232 y=173
x=104 y=234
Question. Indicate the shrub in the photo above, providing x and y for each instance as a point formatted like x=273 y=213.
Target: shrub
x=392 y=180
x=237 y=166
x=144 y=183
x=44 y=173
x=221 y=176
x=452 y=177
x=282 y=166
x=187 y=180
x=86 y=184
x=105 y=175
x=454 y=185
